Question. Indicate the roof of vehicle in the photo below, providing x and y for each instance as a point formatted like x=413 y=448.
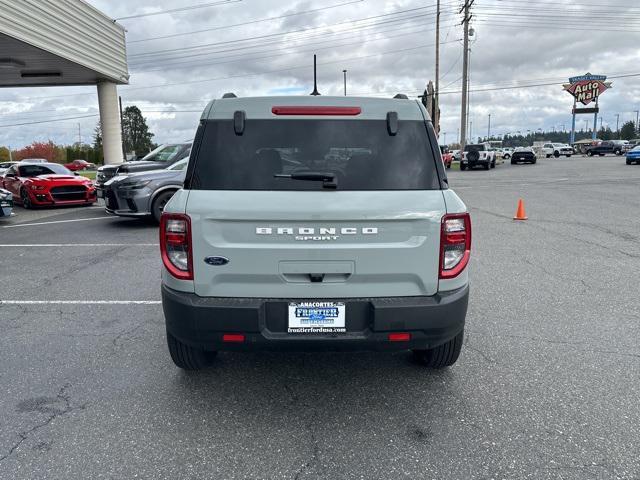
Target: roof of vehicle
x=260 y=107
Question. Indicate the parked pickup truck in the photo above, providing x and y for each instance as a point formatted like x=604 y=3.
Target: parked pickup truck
x=617 y=147
x=556 y=150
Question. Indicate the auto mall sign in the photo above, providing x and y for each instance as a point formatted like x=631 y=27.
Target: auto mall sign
x=587 y=88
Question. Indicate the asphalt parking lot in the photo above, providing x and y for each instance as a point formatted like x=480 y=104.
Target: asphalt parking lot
x=547 y=386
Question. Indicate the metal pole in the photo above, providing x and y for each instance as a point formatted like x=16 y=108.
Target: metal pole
x=618 y=125
x=79 y=135
x=344 y=72
x=465 y=74
x=436 y=111
x=572 y=137
x=594 y=134
x=489 y=129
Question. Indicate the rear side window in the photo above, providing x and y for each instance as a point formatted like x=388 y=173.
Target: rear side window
x=360 y=153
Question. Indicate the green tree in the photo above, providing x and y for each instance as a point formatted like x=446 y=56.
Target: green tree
x=628 y=131
x=137 y=137
x=97 y=136
x=4 y=154
x=605 y=134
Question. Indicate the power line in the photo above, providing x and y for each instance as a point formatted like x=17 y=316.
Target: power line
x=48 y=121
x=251 y=22
x=277 y=34
x=181 y=9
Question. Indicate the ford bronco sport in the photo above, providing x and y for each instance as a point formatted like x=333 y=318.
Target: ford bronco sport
x=315 y=223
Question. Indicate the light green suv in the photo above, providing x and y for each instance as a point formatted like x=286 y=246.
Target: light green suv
x=315 y=223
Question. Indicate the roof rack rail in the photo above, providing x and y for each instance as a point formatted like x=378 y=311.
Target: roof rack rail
x=401 y=96
x=229 y=95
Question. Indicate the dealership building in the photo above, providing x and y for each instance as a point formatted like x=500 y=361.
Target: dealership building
x=63 y=43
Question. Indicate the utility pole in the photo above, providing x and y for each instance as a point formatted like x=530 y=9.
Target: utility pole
x=618 y=125
x=344 y=72
x=465 y=73
x=600 y=123
x=436 y=96
x=489 y=129
x=79 y=135
x=638 y=121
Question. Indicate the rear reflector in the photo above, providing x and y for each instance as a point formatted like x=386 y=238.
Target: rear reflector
x=233 y=338
x=335 y=111
x=399 y=337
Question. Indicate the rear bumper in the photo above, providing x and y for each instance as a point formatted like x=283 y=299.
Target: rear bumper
x=201 y=322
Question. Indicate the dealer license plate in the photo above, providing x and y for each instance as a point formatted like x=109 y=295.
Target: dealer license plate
x=317 y=317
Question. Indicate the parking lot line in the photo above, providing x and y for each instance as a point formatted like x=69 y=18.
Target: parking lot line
x=80 y=302
x=56 y=245
x=55 y=221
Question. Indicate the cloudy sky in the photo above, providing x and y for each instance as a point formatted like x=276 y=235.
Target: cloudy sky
x=265 y=47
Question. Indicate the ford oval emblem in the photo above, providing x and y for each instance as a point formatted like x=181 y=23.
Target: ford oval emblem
x=216 y=261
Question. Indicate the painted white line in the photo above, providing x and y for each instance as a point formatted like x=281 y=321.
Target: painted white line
x=57 y=245
x=80 y=302
x=56 y=221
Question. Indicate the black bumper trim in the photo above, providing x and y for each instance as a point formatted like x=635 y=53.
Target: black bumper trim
x=201 y=322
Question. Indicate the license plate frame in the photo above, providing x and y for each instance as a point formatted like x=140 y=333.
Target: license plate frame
x=316 y=317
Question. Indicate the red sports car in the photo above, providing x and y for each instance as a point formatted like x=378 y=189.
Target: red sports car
x=47 y=184
x=447 y=156
x=80 y=165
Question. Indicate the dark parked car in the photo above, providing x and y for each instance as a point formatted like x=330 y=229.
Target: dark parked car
x=523 y=155
x=162 y=157
x=144 y=194
x=617 y=147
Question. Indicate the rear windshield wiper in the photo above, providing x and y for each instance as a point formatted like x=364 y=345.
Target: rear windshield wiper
x=328 y=179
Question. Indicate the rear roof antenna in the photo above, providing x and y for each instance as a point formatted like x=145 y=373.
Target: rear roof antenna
x=315 y=92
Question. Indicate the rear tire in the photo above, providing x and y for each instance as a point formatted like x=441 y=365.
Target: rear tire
x=589 y=153
x=443 y=355
x=512 y=162
x=187 y=357
x=487 y=165
x=533 y=162
x=463 y=167
x=628 y=162
x=556 y=154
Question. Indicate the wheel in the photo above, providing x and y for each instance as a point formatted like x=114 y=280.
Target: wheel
x=618 y=152
x=548 y=155
x=513 y=162
x=507 y=156
x=556 y=154
x=628 y=162
x=463 y=167
x=568 y=156
x=187 y=357
x=487 y=165
x=533 y=162
x=601 y=154
x=493 y=164
x=24 y=198
x=443 y=355
x=448 y=166
x=159 y=203
x=589 y=153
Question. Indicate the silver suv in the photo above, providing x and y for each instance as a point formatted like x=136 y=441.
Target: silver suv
x=315 y=223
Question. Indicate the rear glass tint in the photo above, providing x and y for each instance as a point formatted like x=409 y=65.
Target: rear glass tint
x=360 y=153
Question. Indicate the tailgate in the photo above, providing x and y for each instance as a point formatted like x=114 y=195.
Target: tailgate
x=322 y=244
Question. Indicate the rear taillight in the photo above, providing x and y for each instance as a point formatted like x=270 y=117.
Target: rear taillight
x=455 y=244
x=175 y=245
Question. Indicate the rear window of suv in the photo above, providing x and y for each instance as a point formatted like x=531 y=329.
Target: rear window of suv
x=360 y=153
x=474 y=148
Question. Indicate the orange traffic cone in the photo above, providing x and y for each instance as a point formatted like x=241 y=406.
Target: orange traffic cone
x=520 y=214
